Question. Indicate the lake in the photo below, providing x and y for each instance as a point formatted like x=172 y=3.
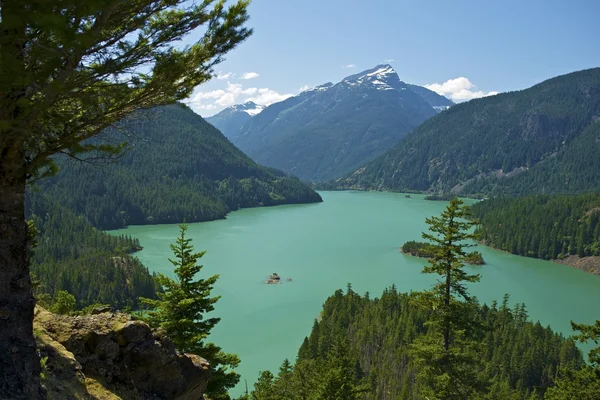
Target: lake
x=352 y=237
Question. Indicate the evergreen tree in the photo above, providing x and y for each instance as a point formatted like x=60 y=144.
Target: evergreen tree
x=583 y=384
x=181 y=310
x=263 y=388
x=446 y=356
x=70 y=69
x=64 y=304
x=341 y=375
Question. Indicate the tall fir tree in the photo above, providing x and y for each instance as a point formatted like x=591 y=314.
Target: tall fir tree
x=580 y=384
x=181 y=310
x=70 y=69
x=446 y=355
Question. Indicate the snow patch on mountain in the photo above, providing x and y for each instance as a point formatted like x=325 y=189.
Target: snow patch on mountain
x=255 y=111
x=382 y=77
x=320 y=88
x=249 y=108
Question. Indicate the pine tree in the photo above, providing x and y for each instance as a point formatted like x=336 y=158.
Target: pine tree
x=445 y=356
x=263 y=388
x=181 y=310
x=582 y=384
x=70 y=69
x=65 y=303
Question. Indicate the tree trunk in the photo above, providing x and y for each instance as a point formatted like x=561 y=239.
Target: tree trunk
x=19 y=361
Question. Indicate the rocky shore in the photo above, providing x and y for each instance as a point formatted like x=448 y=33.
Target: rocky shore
x=588 y=264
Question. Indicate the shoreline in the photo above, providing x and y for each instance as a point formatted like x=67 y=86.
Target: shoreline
x=589 y=264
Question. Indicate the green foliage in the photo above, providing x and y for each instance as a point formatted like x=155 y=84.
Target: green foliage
x=447 y=356
x=474 y=258
x=72 y=69
x=73 y=256
x=43 y=367
x=371 y=341
x=418 y=249
x=64 y=304
x=263 y=388
x=542 y=139
x=183 y=169
x=581 y=384
x=547 y=227
x=182 y=310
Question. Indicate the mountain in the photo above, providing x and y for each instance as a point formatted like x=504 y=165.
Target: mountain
x=545 y=139
x=177 y=167
x=435 y=100
x=231 y=119
x=330 y=130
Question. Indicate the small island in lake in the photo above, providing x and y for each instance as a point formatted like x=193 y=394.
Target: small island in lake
x=417 y=249
x=426 y=250
x=273 y=279
x=474 y=258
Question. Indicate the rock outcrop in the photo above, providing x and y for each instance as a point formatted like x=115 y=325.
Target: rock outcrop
x=273 y=279
x=111 y=356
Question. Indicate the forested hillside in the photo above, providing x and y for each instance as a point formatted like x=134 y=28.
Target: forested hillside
x=542 y=139
x=91 y=265
x=177 y=167
x=365 y=344
x=547 y=227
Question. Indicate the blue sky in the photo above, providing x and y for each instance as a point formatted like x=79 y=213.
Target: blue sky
x=493 y=46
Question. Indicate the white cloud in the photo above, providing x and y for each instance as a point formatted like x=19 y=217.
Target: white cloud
x=249 y=75
x=459 y=89
x=210 y=102
x=388 y=60
x=266 y=97
x=304 y=88
x=226 y=76
x=349 y=66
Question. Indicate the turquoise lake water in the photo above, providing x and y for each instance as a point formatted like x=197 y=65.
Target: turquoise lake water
x=352 y=237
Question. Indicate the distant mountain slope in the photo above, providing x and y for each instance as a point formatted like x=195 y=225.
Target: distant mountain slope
x=435 y=100
x=231 y=119
x=178 y=167
x=330 y=130
x=542 y=139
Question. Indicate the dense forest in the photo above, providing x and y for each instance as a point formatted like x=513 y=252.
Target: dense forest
x=547 y=227
x=176 y=167
x=366 y=343
x=91 y=265
x=544 y=139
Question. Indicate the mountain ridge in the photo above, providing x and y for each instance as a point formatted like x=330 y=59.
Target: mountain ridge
x=183 y=169
x=499 y=144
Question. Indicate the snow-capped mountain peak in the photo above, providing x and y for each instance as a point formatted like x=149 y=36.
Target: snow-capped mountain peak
x=382 y=77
